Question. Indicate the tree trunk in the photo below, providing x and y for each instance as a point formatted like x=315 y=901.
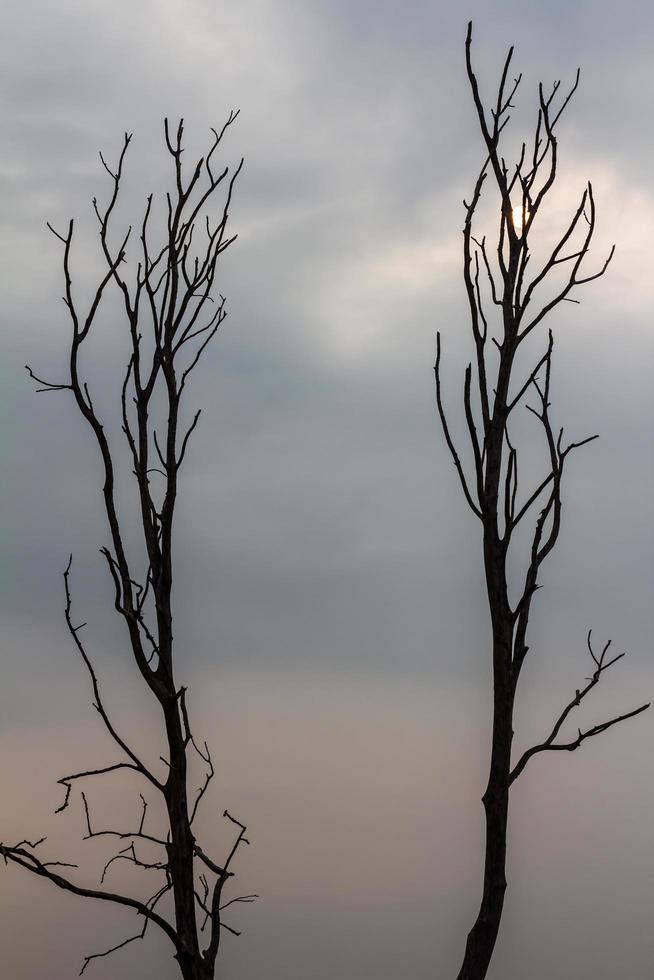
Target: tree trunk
x=481 y=938
x=180 y=848
x=483 y=935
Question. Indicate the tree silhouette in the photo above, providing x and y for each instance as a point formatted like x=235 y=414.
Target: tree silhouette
x=494 y=389
x=171 y=313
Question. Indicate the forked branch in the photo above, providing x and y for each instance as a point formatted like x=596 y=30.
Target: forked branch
x=550 y=744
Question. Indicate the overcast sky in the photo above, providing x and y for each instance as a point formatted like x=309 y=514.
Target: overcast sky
x=331 y=623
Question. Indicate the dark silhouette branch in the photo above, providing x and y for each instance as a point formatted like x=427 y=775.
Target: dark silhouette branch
x=550 y=744
x=217 y=924
x=453 y=452
x=25 y=859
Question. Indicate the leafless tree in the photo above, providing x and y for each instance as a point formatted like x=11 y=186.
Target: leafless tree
x=495 y=387
x=167 y=294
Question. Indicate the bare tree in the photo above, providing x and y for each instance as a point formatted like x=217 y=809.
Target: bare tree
x=495 y=388
x=167 y=293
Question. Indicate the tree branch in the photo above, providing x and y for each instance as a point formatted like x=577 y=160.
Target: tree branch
x=549 y=744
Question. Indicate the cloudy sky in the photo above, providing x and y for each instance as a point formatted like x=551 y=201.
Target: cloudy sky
x=330 y=614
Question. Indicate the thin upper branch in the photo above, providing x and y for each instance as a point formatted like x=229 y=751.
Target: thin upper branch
x=450 y=444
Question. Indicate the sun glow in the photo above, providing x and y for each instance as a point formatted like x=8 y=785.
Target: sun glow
x=516 y=214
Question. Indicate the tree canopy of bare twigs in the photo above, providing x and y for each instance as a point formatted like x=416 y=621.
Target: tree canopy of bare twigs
x=507 y=301
x=172 y=311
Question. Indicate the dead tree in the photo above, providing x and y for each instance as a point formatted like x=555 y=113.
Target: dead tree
x=167 y=294
x=495 y=387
